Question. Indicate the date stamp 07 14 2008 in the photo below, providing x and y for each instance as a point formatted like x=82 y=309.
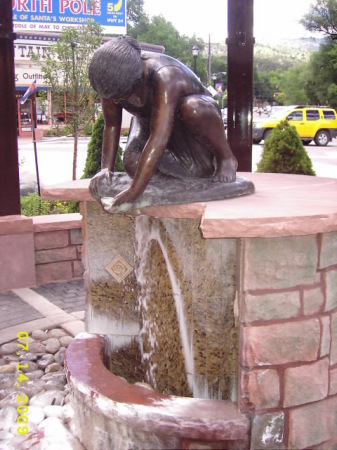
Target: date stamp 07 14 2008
x=22 y=399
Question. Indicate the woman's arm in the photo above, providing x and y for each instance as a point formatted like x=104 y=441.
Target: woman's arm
x=112 y=115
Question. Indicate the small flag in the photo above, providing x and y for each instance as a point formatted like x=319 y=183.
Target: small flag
x=29 y=92
x=212 y=91
x=218 y=88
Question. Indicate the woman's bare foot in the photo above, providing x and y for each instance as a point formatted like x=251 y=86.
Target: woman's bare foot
x=226 y=170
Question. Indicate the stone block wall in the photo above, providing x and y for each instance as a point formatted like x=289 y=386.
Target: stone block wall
x=58 y=248
x=288 y=318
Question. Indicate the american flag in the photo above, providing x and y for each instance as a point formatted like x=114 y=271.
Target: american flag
x=29 y=91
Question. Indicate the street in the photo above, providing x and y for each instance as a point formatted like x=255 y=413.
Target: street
x=55 y=159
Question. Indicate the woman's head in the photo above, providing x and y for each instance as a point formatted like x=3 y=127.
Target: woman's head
x=116 y=67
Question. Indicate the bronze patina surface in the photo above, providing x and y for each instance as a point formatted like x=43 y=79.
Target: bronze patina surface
x=177 y=129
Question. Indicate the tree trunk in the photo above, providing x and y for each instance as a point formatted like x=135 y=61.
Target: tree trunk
x=76 y=127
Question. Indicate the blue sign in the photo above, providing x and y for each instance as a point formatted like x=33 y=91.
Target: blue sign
x=54 y=16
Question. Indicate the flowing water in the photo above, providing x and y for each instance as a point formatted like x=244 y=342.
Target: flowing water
x=146 y=232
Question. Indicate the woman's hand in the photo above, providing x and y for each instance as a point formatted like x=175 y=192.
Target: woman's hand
x=127 y=196
x=104 y=176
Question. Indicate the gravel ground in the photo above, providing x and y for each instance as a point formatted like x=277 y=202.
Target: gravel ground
x=34 y=395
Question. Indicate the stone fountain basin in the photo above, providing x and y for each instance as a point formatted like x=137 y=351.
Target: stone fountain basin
x=111 y=413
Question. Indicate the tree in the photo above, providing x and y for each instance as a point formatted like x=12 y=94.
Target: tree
x=137 y=19
x=219 y=65
x=94 y=153
x=264 y=85
x=321 y=78
x=294 y=85
x=65 y=70
x=322 y=84
x=162 y=32
x=322 y=18
x=283 y=152
x=159 y=31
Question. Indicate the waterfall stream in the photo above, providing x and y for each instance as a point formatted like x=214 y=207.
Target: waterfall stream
x=145 y=233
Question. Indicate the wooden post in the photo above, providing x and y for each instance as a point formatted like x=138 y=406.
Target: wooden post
x=9 y=167
x=240 y=45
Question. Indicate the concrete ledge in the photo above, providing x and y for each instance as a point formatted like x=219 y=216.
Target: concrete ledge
x=72 y=190
x=57 y=222
x=283 y=205
x=15 y=225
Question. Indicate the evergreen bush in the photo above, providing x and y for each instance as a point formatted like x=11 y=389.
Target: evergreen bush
x=94 y=155
x=283 y=152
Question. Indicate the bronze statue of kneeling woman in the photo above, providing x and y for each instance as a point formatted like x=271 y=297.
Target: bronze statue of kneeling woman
x=177 y=128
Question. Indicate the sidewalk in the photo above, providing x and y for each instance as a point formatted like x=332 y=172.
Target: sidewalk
x=44 y=307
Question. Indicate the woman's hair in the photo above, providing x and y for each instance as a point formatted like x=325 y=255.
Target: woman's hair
x=116 y=67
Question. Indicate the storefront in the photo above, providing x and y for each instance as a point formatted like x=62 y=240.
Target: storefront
x=37 y=109
x=38 y=24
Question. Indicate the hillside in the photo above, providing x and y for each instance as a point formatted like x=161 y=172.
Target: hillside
x=277 y=54
x=284 y=53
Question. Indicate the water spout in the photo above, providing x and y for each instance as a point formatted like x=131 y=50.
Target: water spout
x=146 y=232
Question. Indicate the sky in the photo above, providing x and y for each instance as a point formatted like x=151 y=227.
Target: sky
x=273 y=19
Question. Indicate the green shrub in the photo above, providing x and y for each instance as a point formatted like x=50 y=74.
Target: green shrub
x=119 y=161
x=283 y=152
x=33 y=205
x=88 y=129
x=55 y=132
x=94 y=155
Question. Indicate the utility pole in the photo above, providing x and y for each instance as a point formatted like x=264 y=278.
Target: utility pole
x=209 y=59
x=240 y=44
x=9 y=177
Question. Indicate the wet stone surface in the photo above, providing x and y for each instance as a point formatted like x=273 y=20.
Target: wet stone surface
x=42 y=392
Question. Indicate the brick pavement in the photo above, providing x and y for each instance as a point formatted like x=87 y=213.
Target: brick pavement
x=69 y=296
x=14 y=311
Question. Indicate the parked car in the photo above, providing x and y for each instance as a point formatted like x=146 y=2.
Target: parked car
x=62 y=115
x=313 y=123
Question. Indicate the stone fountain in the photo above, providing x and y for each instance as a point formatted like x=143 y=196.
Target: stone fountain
x=255 y=279
x=211 y=314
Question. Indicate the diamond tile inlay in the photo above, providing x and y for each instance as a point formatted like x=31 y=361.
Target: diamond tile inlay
x=119 y=269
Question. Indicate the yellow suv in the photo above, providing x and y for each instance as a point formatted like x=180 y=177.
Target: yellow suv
x=316 y=123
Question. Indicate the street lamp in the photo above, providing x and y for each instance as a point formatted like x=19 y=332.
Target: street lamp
x=195 y=53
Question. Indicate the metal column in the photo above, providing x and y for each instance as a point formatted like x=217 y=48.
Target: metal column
x=9 y=167
x=240 y=45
